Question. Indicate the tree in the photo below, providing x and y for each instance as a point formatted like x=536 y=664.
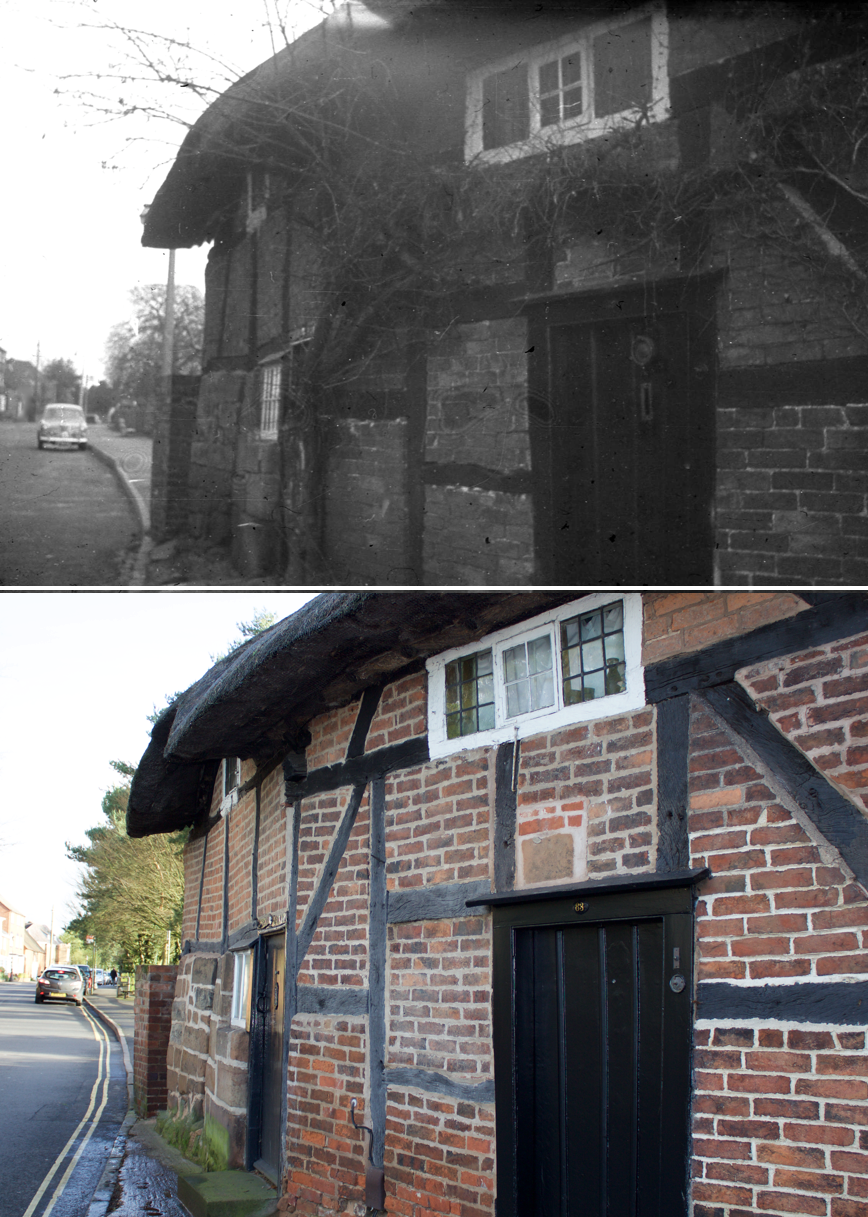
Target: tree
x=134 y=348
x=131 y=892
x=59 y=381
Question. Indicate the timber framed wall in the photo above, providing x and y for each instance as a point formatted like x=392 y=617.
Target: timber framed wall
x=749 y=758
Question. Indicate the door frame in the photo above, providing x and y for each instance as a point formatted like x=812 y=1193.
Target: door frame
x=695 y=296
x=256 y=1057
x=666 y=896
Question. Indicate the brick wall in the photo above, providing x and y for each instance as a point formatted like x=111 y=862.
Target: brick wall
x=819 y=699
x=402 y=712
x=330 y=735
x=326 y=1071
x=779 y=1110
x=608 y=766
x=366 y=502
x=477 y=396
x=437 y=821
x=791 y=500
x=338 y=953
x=676 y=622
x=212 y=455
x=271 y=869
x=476 y=537
x=155 y=988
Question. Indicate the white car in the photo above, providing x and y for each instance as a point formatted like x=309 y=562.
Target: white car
x=63 y=424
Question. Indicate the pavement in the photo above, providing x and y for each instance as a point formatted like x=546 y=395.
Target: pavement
x=144 y=1175
x=140 y=1178
x=174 y=563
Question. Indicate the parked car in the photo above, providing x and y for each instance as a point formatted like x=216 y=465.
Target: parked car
x=87 y=973
x=62 y=424
x=63 y=982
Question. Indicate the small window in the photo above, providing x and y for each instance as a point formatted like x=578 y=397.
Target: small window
x=581 y=661
x=612 y=74
x=231 y=782
x=241 y=989
x=270 y=380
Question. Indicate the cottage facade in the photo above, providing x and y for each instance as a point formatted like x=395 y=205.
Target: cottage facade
x=634 y=350
x=563 y=896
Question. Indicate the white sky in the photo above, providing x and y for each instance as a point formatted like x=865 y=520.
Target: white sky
x=74 y=183
x=79 y=673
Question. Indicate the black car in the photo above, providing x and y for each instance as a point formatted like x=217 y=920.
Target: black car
x=87 y=973
x=62 y=981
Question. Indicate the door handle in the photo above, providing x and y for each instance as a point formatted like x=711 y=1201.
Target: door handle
x=646 y=401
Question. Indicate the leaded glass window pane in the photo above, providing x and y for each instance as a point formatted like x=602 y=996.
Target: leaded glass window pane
x=469 y=694
x=592 y=654
x=528 y=676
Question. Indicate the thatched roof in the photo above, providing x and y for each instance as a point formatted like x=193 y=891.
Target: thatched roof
x=421 y=47
x=257 y=702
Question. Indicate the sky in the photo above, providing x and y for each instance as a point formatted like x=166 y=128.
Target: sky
x=79 y=674
x=76 y=180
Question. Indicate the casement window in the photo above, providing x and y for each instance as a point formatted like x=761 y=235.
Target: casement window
x=278 y=378
x=580 y=661
x=241 y=989
x=612 y=74
x=231 y=770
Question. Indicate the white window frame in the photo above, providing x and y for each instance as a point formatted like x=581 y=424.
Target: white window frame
x=241 y=989
x=586 y=125
x=549 y=718
x=230 y=788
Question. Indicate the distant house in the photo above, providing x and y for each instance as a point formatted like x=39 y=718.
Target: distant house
x=521 y=293
x=563 y=895
x=12 y=949
x=44 y=947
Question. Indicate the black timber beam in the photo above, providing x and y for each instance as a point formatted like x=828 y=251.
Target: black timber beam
x=363 y=769
x=838 y=616
x=834 y=816
x=833 y=1002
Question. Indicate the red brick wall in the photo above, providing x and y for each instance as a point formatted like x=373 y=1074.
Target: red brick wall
x=338 y=953
x=155 y=991
x=609 y=766
x=437 y=821
x=401 y=714
x=676 y=622
x=439 y=1155
x=819 y=699
x=273 y=897
x=326 y=1154
x=779 y=1109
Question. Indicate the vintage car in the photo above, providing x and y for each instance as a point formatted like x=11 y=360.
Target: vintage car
x=62 y=424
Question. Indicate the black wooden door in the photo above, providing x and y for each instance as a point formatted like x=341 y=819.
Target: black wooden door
x=273 y=1077
x=592 y=1054
x=627 y=432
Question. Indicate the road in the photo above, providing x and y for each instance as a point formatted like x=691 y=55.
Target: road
x=65 y=520
x=63 y=1098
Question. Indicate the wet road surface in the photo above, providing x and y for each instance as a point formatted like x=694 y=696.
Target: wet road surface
x=64 y=521
x=63 y=1097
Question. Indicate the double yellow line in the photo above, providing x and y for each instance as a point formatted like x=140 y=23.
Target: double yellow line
x=90 y=1119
